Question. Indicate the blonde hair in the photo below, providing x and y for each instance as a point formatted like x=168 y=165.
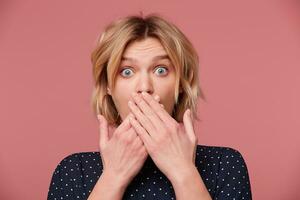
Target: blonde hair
x=111 y=45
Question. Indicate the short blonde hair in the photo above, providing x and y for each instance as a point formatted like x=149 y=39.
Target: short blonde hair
x=112 y=43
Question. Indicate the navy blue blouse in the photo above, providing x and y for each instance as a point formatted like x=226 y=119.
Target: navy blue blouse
x=223 y=170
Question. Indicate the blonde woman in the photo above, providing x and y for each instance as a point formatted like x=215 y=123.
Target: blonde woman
x=145 y=97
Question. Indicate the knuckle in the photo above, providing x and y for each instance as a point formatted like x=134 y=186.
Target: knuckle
x=127 y=140
x=126 y=137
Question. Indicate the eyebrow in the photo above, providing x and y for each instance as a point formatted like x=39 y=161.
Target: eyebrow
x=160 y=57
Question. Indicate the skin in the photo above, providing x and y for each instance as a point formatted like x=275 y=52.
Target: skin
x=157 y=77
x=169 y=144
x=148 y=128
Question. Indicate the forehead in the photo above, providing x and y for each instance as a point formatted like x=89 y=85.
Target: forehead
x=143 y=49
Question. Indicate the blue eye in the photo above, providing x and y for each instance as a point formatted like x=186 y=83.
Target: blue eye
x=161 y=70
x=126 y=72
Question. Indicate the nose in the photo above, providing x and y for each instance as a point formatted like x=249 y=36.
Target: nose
x=145 y=84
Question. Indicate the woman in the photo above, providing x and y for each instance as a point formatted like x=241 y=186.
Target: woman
x=145 y=97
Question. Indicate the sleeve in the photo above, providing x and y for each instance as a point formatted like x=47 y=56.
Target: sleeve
x=64 y=184
x=233 y=180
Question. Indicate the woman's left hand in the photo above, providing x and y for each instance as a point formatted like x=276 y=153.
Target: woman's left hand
x=171 y=145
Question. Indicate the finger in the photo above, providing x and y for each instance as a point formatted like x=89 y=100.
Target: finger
x=124 y=126
x=157 y=98
x=142 y=119
x=137 y=143
x=129 y=135
x=160 y=111
x=103 y=129
x=188 y=124
x=141 y=132
x=149 y=115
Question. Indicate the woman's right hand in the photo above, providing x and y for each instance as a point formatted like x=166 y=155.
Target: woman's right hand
x=124 y=153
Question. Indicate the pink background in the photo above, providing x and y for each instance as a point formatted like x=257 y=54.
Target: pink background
x=249 y=55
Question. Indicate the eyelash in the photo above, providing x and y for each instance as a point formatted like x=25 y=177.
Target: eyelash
x=125 y=68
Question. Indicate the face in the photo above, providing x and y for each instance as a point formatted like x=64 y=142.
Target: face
x=145 y=66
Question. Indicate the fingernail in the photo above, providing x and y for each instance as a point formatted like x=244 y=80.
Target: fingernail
x=130 y=103
x=130 y=118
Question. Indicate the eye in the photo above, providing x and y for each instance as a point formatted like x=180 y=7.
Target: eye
x=126 y=72
x=161 y=70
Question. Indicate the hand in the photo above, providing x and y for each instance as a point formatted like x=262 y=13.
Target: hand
x=171 y=145
x=123 y=152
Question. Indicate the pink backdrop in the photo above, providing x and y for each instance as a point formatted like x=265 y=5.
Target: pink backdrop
x=249 y=55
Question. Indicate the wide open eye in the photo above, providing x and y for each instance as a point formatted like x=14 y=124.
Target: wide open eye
x=126 y=72
x=161 y=70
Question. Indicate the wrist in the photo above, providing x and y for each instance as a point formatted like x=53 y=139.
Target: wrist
x=108 y=187
x=183 y=173
x=188 y=184
x=116 y=181
x=186 y=175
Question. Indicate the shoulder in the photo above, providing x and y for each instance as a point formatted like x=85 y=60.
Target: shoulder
x=220 y=157
x=70 y=175
x=218 y=153
x=217 y=149
x=75 y=161
x=228 y=169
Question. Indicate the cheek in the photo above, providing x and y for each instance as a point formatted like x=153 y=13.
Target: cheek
x=121 y=95
x=121 y=102
x=120 y=98
x=167 y=98
x=166 y=90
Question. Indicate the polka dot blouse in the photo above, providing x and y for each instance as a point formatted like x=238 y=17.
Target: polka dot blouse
x=222 y=169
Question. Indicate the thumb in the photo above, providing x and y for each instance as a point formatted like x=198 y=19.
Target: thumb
x=103 y=129
x=188 y=124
